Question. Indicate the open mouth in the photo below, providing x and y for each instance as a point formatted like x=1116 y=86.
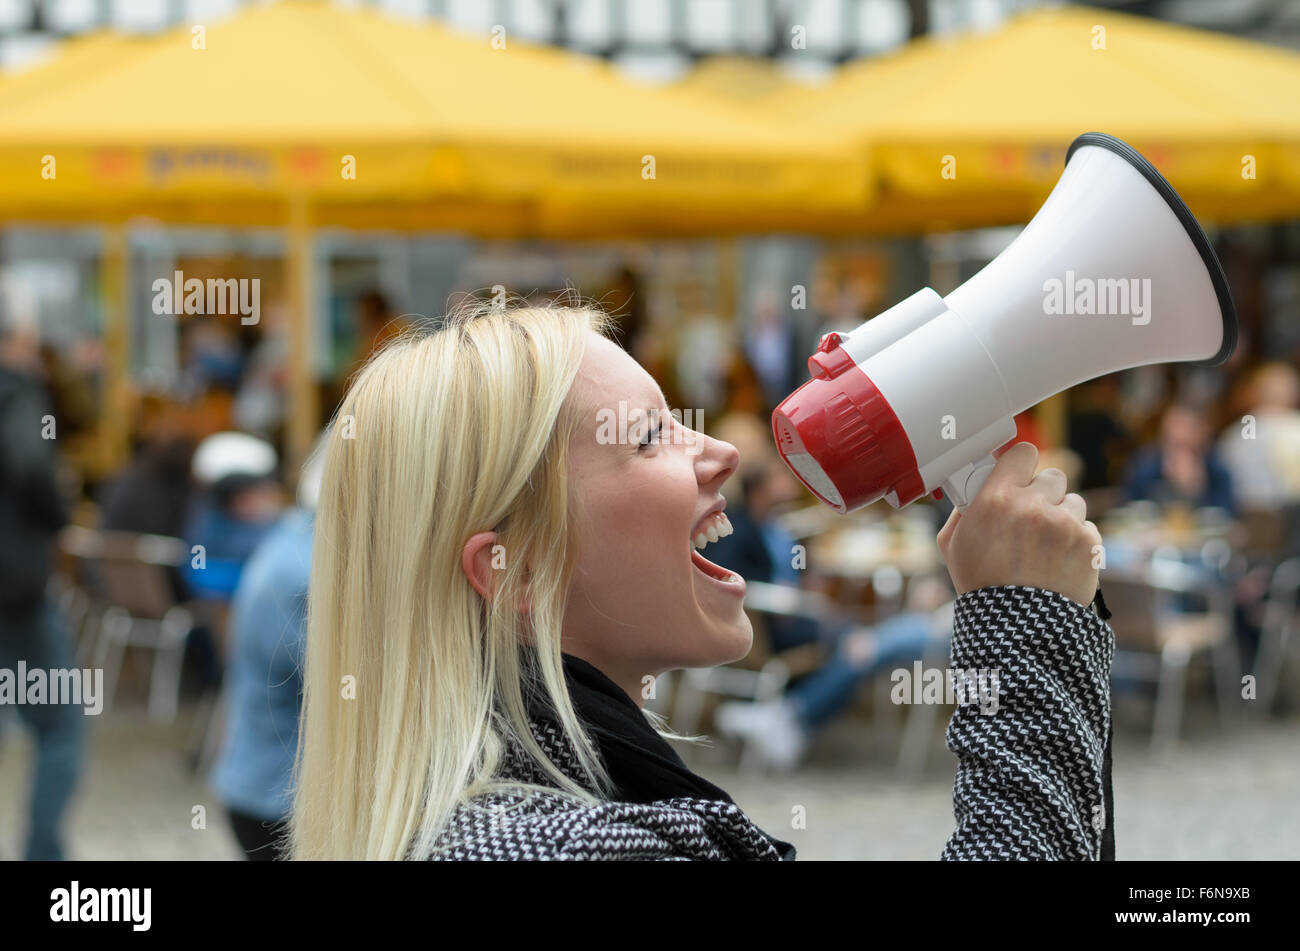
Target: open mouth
x=714 y=527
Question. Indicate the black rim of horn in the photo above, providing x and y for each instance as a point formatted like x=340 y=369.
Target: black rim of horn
x=1193 y=228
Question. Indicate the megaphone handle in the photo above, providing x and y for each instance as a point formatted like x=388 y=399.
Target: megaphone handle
x=964 y=484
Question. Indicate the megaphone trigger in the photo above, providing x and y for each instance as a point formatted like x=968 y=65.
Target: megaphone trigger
x=964 y=484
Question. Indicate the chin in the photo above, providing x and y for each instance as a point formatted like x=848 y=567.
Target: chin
x=734 y=643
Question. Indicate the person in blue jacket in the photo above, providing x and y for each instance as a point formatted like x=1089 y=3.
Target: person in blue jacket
x=268 y=625
x=1182 y=468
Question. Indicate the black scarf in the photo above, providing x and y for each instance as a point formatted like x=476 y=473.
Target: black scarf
x=641 y=764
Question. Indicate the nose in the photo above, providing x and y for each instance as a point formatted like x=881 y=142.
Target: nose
x=717 y=460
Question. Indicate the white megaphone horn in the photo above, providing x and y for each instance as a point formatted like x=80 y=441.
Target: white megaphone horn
x=1113 y=272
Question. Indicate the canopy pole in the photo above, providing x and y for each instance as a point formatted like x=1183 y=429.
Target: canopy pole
x=115 y=387
x=1052 y=417
x=304 y=397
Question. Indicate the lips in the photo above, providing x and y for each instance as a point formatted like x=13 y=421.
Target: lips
x=715 y=572
x=714 y=526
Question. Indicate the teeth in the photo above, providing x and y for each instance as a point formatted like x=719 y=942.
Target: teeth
x=719 y=526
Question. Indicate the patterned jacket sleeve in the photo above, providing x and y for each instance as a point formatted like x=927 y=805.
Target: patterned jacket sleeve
x=674 y=830
x=1033 y=771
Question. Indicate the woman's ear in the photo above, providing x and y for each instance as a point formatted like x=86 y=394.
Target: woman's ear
x=483 y=559
x=476 y=560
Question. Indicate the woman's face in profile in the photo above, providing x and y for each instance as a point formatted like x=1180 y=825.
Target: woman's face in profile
x=641 y=602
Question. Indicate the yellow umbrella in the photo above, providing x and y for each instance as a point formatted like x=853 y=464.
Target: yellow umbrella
x=973 y=129
x=746 y=82
x=300 y=114
x=350 y=107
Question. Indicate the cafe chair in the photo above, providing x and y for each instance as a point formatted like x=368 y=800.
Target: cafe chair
x=130 y=576
x=1281 y=620
x=1158 y=635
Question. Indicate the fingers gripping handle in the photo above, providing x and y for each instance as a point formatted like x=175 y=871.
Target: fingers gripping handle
x=964 y=484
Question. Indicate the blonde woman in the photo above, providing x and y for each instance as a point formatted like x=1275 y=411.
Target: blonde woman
x=506 y=555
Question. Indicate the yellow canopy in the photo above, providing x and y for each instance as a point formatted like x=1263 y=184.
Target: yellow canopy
x=973 y=129
x=373 y=120
x=744 y=82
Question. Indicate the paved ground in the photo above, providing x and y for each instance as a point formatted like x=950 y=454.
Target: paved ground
x=1218 y=795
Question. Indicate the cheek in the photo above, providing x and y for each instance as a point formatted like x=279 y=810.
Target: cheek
x=635 y=539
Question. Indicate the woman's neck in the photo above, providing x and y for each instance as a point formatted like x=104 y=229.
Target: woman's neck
x=629 y=682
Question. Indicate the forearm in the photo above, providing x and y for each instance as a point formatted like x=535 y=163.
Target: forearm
x=1032 y=768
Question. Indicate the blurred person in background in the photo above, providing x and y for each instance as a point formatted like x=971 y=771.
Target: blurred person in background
x=1262 y=453
x=72 y=393
x=31 y=630
x=782 y=729
x=625 y=301
x=1096 y=433
x=705 y=352
x=744 y=390
x=214 y=356
x=152 y=494
x=769 y=344
x=759 y=549
x=376 y=326
x=268 y=625
x=236 y=501
x=238 y=498
x=1182 y=468
x=262 y=399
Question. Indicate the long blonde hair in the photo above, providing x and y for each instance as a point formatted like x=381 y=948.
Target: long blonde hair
x=413 y=682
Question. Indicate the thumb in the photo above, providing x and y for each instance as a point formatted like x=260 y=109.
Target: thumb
x=945 y=534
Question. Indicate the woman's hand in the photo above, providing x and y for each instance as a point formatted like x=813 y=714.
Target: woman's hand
x=1023 y=529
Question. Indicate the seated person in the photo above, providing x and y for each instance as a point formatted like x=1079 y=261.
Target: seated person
x=1182 y=468
x=237 y=502
x=759 y=549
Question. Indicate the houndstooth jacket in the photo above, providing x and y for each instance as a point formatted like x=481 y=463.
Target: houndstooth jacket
x=1033 y=773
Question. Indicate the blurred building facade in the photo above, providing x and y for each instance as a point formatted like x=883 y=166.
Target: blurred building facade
x=658 y=39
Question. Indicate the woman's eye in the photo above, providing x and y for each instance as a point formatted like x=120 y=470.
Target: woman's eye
x=651 y=437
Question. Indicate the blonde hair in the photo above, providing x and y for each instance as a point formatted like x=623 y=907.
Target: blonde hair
x=413 y=682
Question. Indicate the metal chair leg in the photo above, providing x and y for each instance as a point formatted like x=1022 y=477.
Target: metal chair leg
x=89 y=636
x=165 y=683
x=115 y=627
x=1270 y=666
x=1227 y=673
x=1169 y=695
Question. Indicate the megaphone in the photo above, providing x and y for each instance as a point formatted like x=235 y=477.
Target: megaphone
x=1113 y=272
